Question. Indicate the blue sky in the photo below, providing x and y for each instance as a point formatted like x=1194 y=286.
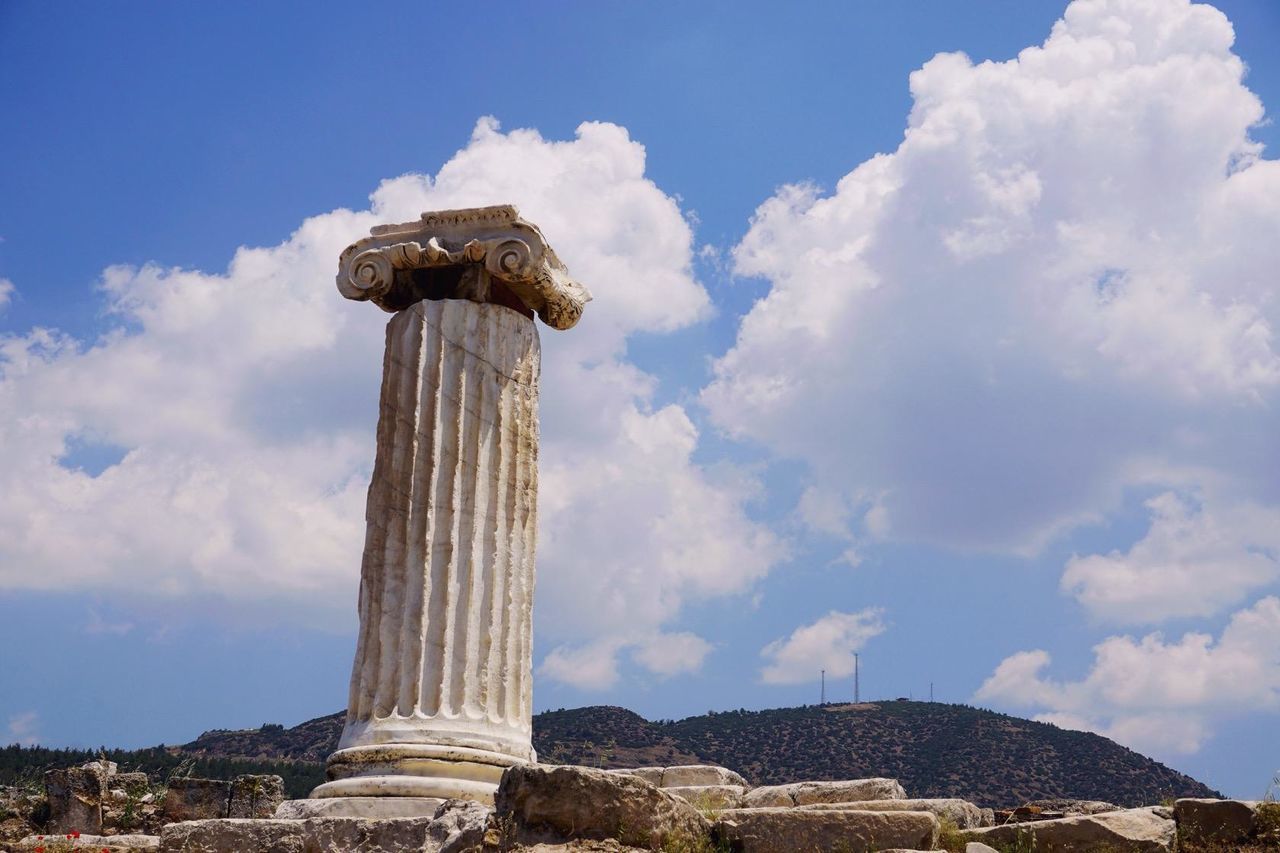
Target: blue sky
x=995 y=409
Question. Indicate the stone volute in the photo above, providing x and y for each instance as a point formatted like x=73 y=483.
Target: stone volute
x=440 y=700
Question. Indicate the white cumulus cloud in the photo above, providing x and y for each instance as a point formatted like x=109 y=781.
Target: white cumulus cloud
x=1193 y=561
x=1060 y=285
x=1151 y=693
x=235 y=412
x=827 y=644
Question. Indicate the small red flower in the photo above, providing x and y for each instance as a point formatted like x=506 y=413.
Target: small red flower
x=40 y=849
x=75 y=833
x=70 y=836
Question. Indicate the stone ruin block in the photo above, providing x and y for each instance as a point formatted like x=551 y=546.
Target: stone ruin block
x=246 y=796
x=255 y=796
x=196 y=799
x=134 y=784
x=75 y=797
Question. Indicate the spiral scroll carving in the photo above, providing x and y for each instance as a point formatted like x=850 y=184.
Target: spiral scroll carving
x=510 y=259
x=372 y=273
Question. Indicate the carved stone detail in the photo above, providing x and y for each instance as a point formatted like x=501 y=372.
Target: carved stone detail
x=496 y=240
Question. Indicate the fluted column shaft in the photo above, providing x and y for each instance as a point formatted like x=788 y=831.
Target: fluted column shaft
x=441 y=688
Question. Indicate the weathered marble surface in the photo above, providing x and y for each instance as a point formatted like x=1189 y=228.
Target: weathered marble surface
x=784 y=830
x=441 y=689
x=441 y=694
x=807 y=793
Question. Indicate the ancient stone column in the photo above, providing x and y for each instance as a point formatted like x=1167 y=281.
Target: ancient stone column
x=440 y=700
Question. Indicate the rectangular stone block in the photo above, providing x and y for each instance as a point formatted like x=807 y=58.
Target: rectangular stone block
x=317 y=835
x=197 y=799
x=964 y=814
x=75 y=799
x=807 y=793
x=88 y=843
x=1131 y=830
x=785 y=830
x=1204 y=823
x=135 y=784
x=255 y=796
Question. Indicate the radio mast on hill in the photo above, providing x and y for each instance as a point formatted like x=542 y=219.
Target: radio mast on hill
x=823 y=701
x=856 y=697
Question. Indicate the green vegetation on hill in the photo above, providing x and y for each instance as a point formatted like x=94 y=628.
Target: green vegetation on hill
x=935 y=750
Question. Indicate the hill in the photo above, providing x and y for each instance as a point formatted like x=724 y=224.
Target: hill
x=934 y=749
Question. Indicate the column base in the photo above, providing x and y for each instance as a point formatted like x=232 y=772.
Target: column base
x=415 y=771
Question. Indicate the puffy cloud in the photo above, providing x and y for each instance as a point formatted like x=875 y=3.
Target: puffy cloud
x=1060 y=285
x=1153 y=694
x=837 y=515
x=228 y=419
x=829 y=643
x=671 y=654
x=590 y=666
x=6 y=292
x=1193 y=561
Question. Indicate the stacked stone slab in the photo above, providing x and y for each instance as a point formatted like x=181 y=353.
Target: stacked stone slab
x=1145 y=830
x=455 y=827
x=810 y=793
x=245 y=796
x=557 y=804
x=782 y=830
x=88 y=843
x=960 y=813
x=704 y=786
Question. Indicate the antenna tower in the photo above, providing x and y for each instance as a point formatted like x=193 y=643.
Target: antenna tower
x=824 y=687
x=856 y=693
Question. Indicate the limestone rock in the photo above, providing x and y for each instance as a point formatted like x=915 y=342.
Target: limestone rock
x=1131 y=830
x=94 y=843
x=1204 y=822
x=962 y=813
x=189 y=798
x=689 y=775
x=131 y=783
x=565 y=803
x=979 y=847
x=1075 y=807
x=807 y=793
x=652 y=775
x=710 y=796
x=785 y=830
x=458 y=825
x=255 y=796
x=609 y=846
x=319 y=835
x=75 y=797
x=367 y=807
